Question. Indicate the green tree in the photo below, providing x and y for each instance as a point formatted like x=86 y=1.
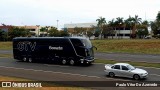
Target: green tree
x=119 y=23
x=145 y=23
x=53 y=32
x=112 y=25
x=129 y=23
x=101 y=22
x=63 y=33
x=142 y=31
x=18 y=32
x=3 y=35
x=90 y=32
x=97 y=31
x=154 y=27
x=80 y=31
x=107 y=31
x=158 y=17
x=136 y=21
x=76 y=31
x=43 y=30
x=158 y=21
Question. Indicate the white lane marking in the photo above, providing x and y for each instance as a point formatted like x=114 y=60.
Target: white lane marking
x=155 y=75
x=62 y=73
x=54 y=65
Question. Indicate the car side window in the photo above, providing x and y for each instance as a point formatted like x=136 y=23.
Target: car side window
x=117 y=67
x=124 y=68
x=112 y=67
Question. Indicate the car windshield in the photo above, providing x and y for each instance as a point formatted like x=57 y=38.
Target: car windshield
x=131 y=67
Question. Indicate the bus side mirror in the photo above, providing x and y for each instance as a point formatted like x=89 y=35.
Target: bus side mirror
x=95 y=47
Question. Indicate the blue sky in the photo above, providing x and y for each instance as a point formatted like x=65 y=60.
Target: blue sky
x=47 y=12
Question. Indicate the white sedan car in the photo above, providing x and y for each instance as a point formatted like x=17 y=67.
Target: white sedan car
x=125 y=70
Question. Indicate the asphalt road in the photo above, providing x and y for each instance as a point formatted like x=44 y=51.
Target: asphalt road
x=6 y=52
x=152 y=58
x=93 y=70
x=54 y=72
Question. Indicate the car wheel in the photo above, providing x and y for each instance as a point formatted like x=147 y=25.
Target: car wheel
x=64 y=61
x=111 y=74
x=25 y=59
x=30 y=60
x=71 y=62
x=136 y=77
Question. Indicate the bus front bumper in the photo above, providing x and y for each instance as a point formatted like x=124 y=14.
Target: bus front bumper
x=87 y=60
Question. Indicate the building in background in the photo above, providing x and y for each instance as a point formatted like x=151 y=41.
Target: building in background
x=33 y=29
x=81 y=27
x=86 y=26
x=119 y=32
x=5 y=28
x=36 y=30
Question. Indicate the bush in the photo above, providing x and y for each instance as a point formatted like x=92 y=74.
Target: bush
x=156 y=36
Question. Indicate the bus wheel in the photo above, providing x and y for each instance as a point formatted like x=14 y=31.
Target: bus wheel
x=25 y=59
x=30 y=60
x=64 y=61
x=71 y=62
x=89 y=63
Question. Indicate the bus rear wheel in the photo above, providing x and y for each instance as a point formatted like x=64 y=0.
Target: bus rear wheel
x=64 y=62
x=25 y=59
x=72 y=62
x=30 y=60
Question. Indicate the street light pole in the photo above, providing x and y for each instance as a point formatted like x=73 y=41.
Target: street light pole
x=57 y=24
x=38 y=30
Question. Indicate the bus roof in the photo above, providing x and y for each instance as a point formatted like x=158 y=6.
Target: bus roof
x=48 y=37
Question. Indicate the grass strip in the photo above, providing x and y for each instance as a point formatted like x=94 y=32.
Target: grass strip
x=5 y=45
x=142 y=46
x=6 y=55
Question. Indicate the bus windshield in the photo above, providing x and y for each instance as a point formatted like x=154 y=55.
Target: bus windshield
x=86 y=43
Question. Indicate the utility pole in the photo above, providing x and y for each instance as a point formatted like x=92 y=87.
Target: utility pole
x=57 y=24
x=38 y=30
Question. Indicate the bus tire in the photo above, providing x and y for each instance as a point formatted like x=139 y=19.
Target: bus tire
x=64 y=61
x=72 y=62
x=24 y=59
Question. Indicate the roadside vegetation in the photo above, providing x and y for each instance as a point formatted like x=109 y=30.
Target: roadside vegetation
x=142 y=46
x=5 y=45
